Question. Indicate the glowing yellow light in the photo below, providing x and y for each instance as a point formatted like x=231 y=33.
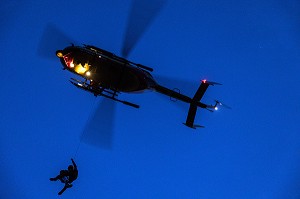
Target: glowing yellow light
x=59 y=54
x=88 y=73
x=80 y=69
x=86 y=65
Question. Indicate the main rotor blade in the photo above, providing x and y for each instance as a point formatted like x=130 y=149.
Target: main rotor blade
x=52 y=40
x=141 y=15
x=100 y=126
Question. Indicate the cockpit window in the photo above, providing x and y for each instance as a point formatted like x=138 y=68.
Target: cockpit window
x=80 y=67
x=69 y=60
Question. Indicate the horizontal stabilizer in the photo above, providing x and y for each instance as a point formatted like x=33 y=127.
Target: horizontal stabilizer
x=211 y=83
x=195 y=102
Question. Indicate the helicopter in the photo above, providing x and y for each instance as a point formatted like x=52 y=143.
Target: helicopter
x=106 y=74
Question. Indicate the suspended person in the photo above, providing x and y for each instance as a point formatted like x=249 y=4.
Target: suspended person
x=67 y=176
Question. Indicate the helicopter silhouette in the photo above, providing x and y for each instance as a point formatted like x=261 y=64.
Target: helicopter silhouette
x=107 y=75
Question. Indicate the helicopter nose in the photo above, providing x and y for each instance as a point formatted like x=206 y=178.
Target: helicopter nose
x=59 y=53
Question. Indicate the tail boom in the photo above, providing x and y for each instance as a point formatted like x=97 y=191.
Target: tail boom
x=194 y=102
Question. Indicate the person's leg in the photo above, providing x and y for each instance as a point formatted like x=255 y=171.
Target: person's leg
x=65 y=187
x=53 y=179
x=62 y=173
x=56 y=178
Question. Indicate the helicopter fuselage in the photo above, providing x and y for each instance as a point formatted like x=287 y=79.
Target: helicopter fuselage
x=104 y=69
x=107 y=75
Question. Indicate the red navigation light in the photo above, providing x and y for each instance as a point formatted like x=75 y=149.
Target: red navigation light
x=69 y=61
x=204 y=81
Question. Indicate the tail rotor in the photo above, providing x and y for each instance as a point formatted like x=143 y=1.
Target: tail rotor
x=217 y=105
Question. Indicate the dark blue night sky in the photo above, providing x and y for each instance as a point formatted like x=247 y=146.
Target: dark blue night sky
x=250 y=151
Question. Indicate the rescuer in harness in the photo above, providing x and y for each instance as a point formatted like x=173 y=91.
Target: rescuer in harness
x=67 y=176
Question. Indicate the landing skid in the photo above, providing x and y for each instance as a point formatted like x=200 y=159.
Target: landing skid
x=100 y=91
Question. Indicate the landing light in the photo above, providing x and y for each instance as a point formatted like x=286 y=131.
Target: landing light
x=59 y=54
x=88 y=73
x=72 y=64
x=216 y=108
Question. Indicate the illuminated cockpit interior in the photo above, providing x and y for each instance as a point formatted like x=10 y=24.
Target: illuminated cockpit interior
x=72 y=64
